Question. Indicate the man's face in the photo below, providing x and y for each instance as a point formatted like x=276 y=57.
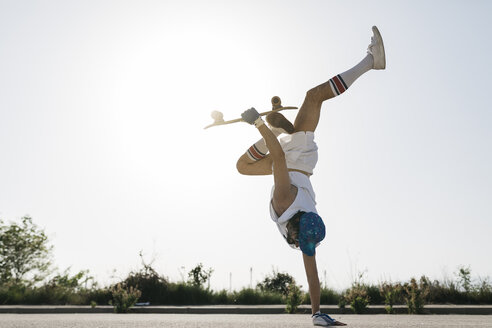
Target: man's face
x=293 y=235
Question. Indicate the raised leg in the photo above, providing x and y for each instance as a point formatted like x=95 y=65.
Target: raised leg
x=308 y=116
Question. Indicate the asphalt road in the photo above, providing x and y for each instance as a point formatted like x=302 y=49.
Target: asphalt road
x=235 y=320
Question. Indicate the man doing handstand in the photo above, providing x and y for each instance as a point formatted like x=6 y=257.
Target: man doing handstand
x=292 y=160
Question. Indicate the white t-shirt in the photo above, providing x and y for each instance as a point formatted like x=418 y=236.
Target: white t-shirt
x=301 y=152
x=305 y=201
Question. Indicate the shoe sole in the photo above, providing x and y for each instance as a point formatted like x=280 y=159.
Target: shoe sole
x=380 y=39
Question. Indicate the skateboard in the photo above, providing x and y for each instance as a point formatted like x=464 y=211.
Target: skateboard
x=219 y=117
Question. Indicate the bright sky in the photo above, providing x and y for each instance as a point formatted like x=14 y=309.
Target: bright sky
x=103 y=104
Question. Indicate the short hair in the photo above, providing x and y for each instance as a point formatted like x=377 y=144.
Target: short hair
x=293 y=227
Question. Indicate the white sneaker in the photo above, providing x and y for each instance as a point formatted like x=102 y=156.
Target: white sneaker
x=376 y=49
x=324 y=320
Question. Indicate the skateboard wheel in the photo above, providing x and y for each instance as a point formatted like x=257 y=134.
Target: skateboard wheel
x=276 y=102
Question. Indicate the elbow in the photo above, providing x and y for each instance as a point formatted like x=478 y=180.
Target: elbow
x=241 y=166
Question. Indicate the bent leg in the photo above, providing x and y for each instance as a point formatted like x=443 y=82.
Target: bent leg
x=245 y=165
x=256 y=160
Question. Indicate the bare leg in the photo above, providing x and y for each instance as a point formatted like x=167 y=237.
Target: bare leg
x=308 y=116
x=256 y=160
x=247 y=166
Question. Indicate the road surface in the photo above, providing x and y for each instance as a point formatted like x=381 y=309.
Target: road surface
x=235 y=320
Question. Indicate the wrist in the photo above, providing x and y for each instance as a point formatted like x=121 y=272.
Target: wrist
x=259 y=122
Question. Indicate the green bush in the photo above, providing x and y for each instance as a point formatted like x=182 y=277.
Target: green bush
x=150 y=283
x=60 y=290
x=342 y=302
x=249 y=296
x=415 y=295
x=294 y=298
x=11 y=293
x=391 y=294
x=373 y=294
x=124 y=298
x=184 y=294
x=357 y=297
x=277 y=282
x=329 y=296
x=483 y=292
x=221 y=297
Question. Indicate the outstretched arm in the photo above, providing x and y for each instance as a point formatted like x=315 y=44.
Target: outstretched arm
x=313 y=281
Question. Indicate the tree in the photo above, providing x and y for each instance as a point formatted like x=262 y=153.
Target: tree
x=278 y=282
x=464 y=277
x=24 y=252
x=198 y=276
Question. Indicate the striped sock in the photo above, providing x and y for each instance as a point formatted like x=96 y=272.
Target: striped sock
x=338 y=85
x=343 y=81
x=257 y=151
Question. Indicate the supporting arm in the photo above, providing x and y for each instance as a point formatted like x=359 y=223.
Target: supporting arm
x=313 y=281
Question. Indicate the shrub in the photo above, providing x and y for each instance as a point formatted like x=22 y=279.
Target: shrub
x=152 y=286
x=483 y=292
x=221 y=297
x=373 y=294
x=342 y=301
x=391 y=294
x=278 y=282
x=185 y=294
x=357 y=297
x=11 y=293
x=249 y=296
x=124 y=298
x=294 y=298
x=328 y=296
x=416 y=294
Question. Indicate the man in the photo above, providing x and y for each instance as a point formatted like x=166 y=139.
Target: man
x=292 y=160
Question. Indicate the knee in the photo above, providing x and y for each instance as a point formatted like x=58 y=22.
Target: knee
x=241 y=166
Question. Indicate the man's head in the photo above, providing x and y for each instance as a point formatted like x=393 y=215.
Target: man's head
x=305 y=230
